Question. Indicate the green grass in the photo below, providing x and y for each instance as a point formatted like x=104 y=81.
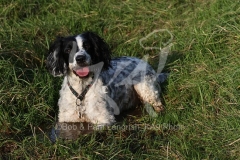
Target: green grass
x=202 y=93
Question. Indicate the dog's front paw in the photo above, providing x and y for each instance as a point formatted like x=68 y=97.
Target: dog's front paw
x=159 y=108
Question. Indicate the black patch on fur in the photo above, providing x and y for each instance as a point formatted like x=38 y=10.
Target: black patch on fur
x=97 y=48
x=57 y=60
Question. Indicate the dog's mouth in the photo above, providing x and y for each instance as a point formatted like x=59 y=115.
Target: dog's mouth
x=81 y=71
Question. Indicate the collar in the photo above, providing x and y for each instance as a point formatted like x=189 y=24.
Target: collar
x=84 y=92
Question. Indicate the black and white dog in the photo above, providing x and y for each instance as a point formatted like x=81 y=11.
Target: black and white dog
x=96 y=87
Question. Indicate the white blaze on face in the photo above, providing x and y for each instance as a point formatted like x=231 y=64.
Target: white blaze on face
x=79 y=42
x=81 y=50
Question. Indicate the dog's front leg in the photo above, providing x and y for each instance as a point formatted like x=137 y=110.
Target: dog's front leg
x=98 y=110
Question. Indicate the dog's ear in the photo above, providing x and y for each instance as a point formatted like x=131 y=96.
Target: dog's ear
x=101 y=49
x=56 y=63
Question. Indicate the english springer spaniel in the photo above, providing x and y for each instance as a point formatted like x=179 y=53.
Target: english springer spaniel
x=96 y=87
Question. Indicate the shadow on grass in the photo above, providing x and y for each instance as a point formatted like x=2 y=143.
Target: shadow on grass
x=72 y=131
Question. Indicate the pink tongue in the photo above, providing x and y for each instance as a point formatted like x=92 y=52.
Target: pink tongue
x=83 y=72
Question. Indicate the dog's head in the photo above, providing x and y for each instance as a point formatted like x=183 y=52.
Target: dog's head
x=77 y=53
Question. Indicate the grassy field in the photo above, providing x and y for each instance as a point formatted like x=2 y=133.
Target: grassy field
x=202 y=95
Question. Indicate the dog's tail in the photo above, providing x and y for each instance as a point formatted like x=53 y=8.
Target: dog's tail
x=162 y=77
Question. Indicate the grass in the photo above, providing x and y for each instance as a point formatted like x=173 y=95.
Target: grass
x=202 y=94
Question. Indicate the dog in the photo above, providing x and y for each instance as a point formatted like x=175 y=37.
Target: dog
x=96 y=87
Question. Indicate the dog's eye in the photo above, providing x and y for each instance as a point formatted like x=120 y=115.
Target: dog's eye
x=86 y=45
x=68 y=50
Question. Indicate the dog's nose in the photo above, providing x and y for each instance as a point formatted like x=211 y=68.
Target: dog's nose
x=81 y=58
